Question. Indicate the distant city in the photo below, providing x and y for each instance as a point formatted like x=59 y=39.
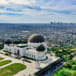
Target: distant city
x=56 y=33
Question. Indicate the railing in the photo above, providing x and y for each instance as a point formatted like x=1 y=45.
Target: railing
x=52 y=67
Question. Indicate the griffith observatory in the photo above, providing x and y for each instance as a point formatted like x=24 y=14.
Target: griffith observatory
x=36 y=48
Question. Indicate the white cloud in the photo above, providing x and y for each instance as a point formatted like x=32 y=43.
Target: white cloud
x=3 y=2
x=25 y=2
x=49 y=10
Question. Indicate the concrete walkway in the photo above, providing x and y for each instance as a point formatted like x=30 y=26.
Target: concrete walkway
x=31 y=67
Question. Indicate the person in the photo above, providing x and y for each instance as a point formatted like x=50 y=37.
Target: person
x=29 y=74
x=23 y=62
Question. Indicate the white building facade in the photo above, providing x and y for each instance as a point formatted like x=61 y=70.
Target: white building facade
x=36 y=48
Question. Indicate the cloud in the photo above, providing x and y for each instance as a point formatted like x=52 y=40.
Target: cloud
x=38 y=10
x=11 y=14
x=11 y=9
x=26 y=2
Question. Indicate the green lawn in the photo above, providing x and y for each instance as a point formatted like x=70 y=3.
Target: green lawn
x=1 y=58
x=5 y=62
x=12 y=69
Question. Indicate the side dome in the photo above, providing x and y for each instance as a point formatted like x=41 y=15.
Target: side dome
x=41 y=48
x=36 y=38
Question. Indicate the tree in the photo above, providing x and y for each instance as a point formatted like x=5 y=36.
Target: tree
x=59 y=54
x=1 y=46
x=67 y=58
x=8 y=42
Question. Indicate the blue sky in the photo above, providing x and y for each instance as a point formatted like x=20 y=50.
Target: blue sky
x=37 y=11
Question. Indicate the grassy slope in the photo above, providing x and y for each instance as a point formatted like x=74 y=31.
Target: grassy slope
x=1 y=58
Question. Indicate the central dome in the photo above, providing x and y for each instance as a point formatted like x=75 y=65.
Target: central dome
x=36 y=38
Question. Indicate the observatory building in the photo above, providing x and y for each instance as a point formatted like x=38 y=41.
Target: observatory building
x=36 y=48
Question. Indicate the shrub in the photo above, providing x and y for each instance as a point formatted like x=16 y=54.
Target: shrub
x=65 y=73
x=74 y=73
x=74 y=67
x=1 y=46
x=66 y=58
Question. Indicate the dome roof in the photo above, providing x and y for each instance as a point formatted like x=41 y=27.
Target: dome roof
x=40 y=48
x=36 y=38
